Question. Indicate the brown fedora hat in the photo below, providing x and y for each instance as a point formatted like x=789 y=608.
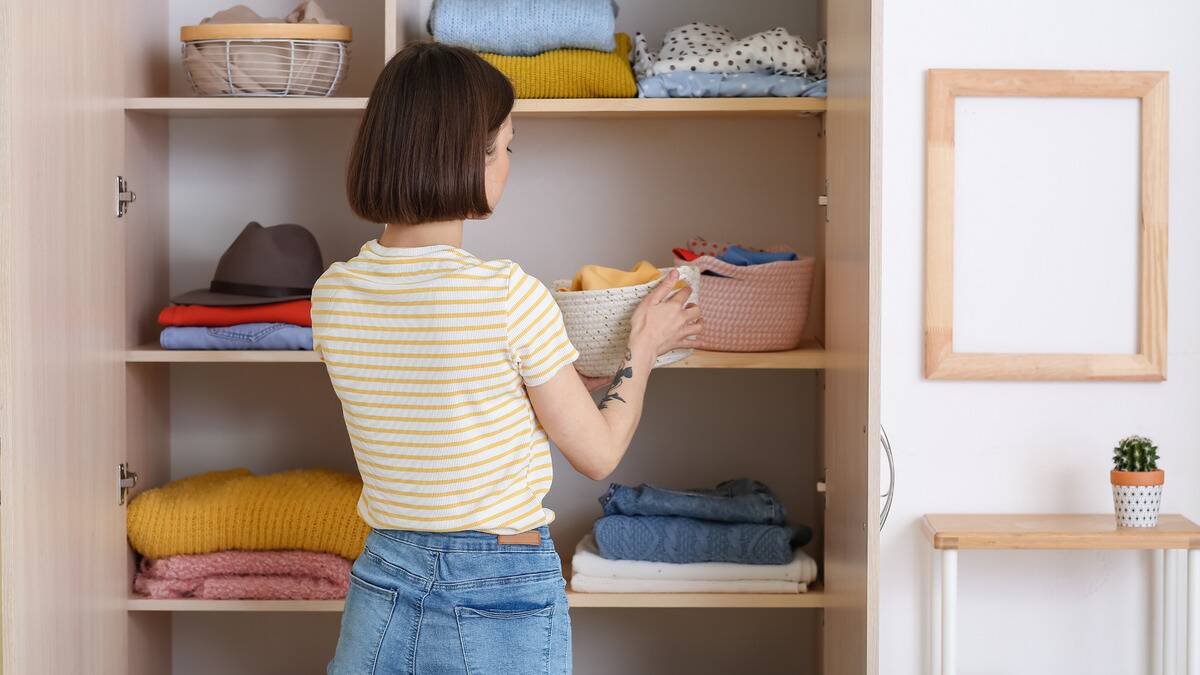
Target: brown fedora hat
x=262 y=266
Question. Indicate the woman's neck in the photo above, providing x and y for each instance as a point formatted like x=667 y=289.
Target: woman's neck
x=447 y=232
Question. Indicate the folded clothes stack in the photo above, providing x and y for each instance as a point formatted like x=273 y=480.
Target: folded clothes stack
x=731 y=539
x=705 y=60
x=548 y=49
x=233 y=535
x=258 y=298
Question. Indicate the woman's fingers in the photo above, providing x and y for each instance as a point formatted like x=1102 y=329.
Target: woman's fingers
x=681 y=296
x=689 y=329
x=660 y=292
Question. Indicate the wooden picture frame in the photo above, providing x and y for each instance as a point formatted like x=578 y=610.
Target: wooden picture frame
x=1149 y=363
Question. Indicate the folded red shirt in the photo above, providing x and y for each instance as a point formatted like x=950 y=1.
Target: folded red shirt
x=294 y=312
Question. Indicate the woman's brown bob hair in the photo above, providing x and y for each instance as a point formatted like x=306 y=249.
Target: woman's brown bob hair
x=425 y=137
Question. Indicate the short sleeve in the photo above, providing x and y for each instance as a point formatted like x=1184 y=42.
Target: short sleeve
x=537 y=337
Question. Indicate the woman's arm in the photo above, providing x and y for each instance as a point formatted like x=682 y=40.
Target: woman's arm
x=592 y=438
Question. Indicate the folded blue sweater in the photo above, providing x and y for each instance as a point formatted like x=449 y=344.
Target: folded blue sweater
x=524 y=27
x=734 y=501
x=686 y=540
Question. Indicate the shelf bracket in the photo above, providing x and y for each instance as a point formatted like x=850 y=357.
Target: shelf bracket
x=126 y=480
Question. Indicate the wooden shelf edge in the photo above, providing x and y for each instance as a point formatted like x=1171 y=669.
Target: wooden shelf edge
x=152 y=353
x=811 y=600
x=809 y=356
x=555 y=107
x=237 y=106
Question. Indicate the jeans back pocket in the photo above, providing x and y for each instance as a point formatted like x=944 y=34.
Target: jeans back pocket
x=505 y=641
x=365 y=621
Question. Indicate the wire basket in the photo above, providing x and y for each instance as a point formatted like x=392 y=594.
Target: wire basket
x=265 y=59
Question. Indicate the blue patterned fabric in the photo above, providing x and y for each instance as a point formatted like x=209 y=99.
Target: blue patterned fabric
x=241 y=336
x=686 y=84
x=524 y=27
x=734 y=501
x=686 y=540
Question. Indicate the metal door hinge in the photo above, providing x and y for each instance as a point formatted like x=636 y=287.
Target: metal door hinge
x=823 y=487
x=125 y=196
x=126 y=480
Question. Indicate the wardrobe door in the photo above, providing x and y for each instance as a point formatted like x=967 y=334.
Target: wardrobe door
x=62 y=544
x=851 y=332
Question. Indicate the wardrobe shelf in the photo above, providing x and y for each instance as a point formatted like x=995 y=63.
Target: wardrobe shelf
x=812 y=599
x=810 y=356
x=553 y=107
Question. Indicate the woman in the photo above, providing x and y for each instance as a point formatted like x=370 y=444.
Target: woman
x=452 y=372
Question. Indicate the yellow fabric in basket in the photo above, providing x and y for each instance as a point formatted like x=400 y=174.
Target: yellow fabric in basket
x=307 y=509
x=570 y=73
x=595 y=277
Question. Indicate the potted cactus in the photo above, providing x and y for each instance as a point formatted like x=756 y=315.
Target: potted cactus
x=1137 y=482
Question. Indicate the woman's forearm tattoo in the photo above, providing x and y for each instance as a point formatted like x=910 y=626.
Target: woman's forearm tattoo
x=625 y=372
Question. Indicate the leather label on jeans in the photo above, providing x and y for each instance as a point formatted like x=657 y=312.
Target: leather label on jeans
x=530 y=538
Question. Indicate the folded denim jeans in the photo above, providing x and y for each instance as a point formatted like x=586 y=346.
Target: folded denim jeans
x=734 y=501
x=241 y=336
x=686 y=540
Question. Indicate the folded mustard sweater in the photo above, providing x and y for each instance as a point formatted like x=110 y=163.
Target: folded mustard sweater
x=570 y=73
x=306 y=509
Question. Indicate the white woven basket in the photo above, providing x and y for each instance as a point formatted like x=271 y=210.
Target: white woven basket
x=265 y=59
x=598 y=322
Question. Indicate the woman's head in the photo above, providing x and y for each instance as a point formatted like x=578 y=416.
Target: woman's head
x=433 y=141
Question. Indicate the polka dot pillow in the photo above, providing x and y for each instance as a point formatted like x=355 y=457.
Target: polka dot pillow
x=707 y=48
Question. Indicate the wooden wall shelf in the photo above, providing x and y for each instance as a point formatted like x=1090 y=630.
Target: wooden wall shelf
x=810 y=356
x=813 y=599
x=562 y=107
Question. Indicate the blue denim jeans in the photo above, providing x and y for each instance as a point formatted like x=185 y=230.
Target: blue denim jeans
x=431 y=604
x=241 y=336
x=734 y=501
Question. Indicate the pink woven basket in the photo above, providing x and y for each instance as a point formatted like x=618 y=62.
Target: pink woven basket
x=757 y=308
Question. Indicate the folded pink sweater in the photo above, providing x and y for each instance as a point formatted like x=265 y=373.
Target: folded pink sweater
x=246 y=575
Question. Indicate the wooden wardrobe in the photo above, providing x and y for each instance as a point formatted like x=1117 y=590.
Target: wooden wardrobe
x=93 y=91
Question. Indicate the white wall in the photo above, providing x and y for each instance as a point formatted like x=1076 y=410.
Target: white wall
x=1029 y=447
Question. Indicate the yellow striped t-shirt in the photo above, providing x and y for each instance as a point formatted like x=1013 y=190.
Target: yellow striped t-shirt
x=430 y=350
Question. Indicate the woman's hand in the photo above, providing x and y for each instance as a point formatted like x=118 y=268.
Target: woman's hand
x=660 y=324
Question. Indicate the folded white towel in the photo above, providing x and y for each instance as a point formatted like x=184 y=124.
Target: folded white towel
x=588 y=584
x=588 y=562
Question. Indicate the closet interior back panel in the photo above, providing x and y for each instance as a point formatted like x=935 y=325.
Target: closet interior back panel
x=607 y=191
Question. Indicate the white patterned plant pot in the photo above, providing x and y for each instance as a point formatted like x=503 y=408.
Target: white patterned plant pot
x=1137 y=496
x=1137 y=505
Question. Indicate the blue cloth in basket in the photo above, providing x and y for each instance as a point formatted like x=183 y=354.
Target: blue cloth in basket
x=686 y=540
x=524 y=27
x=734 y=501
x=736 y=255
x=686 y=84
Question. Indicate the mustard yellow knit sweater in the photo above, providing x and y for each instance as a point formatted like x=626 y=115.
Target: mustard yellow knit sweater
x=570 y=73
x=306 y=509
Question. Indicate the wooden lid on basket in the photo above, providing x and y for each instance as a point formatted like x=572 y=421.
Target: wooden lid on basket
x=265 y=31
